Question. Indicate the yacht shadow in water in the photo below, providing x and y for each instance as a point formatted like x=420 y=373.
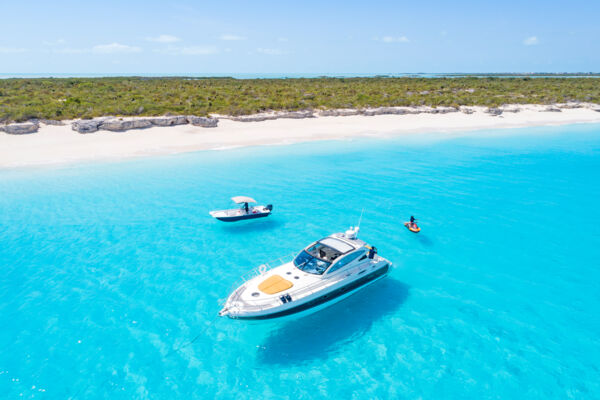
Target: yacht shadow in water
x=315 y=335
x=245 y=227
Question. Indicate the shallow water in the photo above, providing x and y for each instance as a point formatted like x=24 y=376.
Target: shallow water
x=112 y=273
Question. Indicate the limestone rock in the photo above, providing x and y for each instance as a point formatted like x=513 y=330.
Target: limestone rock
x=494 y=111
x=443 y=110
x=552 y=109
x=51 y=122
x=383 y=111
x=20 y=129
x=297 y=114
x=86 y=125
x=205 y=122
x=169 y=120
x=253 y=118
x=571 y=104
x=338 y=113
x=120 y=125
x=276 y=115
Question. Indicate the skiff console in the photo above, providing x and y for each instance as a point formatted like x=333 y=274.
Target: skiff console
x=322 y=274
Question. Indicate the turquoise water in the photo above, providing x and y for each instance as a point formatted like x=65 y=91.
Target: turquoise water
x=112 y=273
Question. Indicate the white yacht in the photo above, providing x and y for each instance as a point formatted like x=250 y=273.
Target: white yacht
x=325 y=272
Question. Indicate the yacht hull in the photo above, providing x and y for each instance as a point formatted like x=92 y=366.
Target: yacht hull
x=320 y=301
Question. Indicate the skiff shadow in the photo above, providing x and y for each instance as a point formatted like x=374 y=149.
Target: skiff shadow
x=245 y=227
x=315 y=336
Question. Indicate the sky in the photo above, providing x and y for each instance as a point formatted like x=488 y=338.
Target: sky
x=324 y=37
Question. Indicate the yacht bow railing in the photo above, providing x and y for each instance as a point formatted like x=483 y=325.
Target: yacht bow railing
x=260 y=270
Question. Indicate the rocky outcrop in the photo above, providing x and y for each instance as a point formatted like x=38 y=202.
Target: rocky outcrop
x=384 y=111
x=205 y=122
x=86 y=125
x=339 y=113
x=442 y=110
x=388 y=111
x=552 y=109
x=511 y=109
x=275 y=115
x=466 y=110
x=51 y=122
x=494 y=111
x=20 y=129
x=169 y=121
x=125 y=124
x=298 y=114
x=120 y=125
x=573 y=104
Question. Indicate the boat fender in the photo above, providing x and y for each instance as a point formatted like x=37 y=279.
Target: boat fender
x=288 y=297
x=283 y=299
x=262 y=269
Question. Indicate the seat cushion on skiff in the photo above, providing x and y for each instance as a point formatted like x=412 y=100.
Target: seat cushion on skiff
x=274 y=284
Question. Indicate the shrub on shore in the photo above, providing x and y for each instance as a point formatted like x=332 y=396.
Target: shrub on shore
x=71 y=98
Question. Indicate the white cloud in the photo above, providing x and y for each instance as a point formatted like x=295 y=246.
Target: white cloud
x=115 y=48
x=282 y=39
x=271 y=52
x=163 y=39
x=189 y=50
x=11 y=50
x=393 y=39
x=231 y=37
x=531 y=41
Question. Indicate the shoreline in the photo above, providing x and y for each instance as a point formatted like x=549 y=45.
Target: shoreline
x=59 y=144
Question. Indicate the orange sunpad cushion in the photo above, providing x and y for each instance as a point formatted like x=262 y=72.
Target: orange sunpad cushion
x=274 y=284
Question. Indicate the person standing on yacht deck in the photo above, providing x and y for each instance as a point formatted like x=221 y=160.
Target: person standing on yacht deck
x=372 y=252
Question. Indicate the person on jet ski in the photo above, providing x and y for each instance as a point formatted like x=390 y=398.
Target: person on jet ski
x=413 y=222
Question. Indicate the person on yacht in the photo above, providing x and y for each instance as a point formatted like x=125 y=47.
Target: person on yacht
x=372 y=252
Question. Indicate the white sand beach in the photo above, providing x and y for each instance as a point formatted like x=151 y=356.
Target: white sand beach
x=60 y=144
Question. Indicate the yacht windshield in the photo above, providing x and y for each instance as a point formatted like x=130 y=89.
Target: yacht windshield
x=317 y=258
x=310 y=264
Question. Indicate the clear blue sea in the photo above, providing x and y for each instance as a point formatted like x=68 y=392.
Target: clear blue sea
x=112 y=272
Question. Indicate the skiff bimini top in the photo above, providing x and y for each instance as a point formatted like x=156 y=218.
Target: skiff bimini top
x=243 y=199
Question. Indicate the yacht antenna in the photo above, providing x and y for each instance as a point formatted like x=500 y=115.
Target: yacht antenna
x=360 y=219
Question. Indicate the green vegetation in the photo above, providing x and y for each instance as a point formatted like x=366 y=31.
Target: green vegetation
x=23 y=99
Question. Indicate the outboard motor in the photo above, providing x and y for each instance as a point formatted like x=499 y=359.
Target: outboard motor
x=269 y=207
